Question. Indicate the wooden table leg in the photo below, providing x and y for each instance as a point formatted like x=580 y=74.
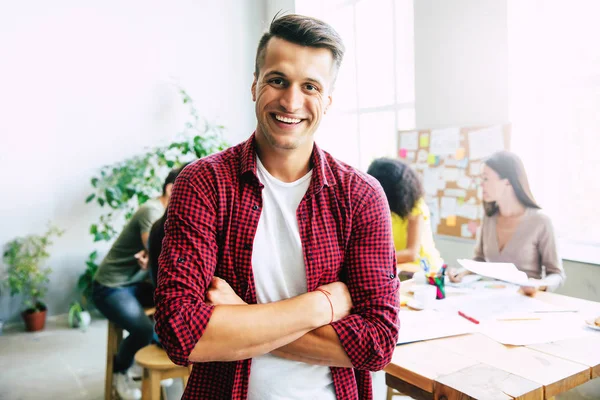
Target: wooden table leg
x=407 y=389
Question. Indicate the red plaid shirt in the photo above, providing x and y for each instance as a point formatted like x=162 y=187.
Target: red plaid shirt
x=345 y=228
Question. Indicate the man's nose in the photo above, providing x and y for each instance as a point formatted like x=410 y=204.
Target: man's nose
x=292 y=98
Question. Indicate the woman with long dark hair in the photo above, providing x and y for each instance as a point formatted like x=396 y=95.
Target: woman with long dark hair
x=514 y=229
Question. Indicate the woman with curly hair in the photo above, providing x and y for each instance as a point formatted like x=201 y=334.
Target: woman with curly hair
x=411 y=223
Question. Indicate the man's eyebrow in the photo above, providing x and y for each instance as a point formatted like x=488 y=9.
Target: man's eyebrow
x=275 y=73
x=282 y=75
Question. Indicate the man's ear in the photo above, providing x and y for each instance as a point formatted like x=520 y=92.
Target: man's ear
x=328 y=103
x=253 y=87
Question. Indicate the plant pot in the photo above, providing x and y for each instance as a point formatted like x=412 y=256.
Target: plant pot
x=34 y=319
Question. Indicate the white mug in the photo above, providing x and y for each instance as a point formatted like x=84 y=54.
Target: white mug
x=425 y=295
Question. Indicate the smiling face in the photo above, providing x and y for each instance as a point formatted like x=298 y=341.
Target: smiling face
x=291 y=92
x=494 y=188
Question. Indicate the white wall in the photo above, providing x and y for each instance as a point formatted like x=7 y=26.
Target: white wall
x=86 y=85
x=461 y=62
x=461 y=79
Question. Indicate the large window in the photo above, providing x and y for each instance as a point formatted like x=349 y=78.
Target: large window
x=374 y=95
x=554 y=62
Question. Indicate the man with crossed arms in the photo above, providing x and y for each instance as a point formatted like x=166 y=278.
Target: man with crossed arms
x=277 y=275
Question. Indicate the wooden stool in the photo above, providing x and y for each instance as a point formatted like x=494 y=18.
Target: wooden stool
x=157 y=366
x=114 y=339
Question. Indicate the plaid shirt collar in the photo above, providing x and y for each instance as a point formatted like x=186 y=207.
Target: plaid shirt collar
x=322 y=173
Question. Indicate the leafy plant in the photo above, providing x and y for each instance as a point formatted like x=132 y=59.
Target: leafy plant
x=84 y=283
x=24 y=257
x=122 y=187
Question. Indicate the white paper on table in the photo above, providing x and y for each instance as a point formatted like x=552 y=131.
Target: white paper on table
x=447 y=207
x=409 y=140
x=485 y=142
x=487 y=305
x=430 y=324
x=550 y=328
x=444 y=142
x=502 y=271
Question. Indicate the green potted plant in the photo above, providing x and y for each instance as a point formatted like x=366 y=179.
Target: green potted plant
x=24 y=257
x=120 y=188
x=78 y=317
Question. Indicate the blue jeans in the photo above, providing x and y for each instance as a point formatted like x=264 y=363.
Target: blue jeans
x=125 y=307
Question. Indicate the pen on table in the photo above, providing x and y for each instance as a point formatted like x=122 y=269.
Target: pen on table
x=473 y=320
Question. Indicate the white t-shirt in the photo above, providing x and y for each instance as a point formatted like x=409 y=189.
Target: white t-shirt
x=279 y=273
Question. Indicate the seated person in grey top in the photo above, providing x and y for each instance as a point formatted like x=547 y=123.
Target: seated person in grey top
x=514 y=229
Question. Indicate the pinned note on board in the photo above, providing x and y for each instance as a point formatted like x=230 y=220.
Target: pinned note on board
x=473 y=227
x=402 y=153
x=451 y=220
x=432 y=159
x=424 y=140
x=460 y=153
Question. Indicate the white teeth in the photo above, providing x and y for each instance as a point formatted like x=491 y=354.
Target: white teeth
x=287 y=120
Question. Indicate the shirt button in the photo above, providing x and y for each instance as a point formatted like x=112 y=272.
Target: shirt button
x=392 y=276
x=180 y=259
x=246 y=246
x=255 y=207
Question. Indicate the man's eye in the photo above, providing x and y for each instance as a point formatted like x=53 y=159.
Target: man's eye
x=311 y=87
x=276 y=81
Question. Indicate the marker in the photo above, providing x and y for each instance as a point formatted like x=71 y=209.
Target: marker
x=473 y=320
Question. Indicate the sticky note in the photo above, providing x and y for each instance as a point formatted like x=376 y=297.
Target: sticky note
x=464 y=163
x=431 y=159
x=460 y=153
x=460 y=201
x=424 y=140
x=451 y=220
x=473 y=227
x=402 y=153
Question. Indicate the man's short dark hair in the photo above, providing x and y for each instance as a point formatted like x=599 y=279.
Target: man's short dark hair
x=171 y=177
x=302 y=30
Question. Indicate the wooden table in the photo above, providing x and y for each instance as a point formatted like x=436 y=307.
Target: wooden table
x=475 y=366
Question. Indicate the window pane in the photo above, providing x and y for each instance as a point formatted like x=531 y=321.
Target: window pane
x=375 y=52
x=338 y=135
x=377 y=136
x=344 y=95
x=406 y=119
x=405 y=51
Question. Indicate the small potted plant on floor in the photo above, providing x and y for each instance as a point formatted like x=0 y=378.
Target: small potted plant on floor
x=78 y=317
x=24 y=257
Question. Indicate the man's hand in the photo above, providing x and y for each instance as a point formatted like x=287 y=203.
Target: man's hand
x=340 y=299
x=220 y=293
x=142 y=259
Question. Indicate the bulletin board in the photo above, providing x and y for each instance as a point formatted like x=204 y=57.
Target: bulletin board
x=449 y=163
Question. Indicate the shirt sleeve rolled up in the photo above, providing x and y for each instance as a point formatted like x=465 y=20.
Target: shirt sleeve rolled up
x=187 y=263
x=369 y=335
